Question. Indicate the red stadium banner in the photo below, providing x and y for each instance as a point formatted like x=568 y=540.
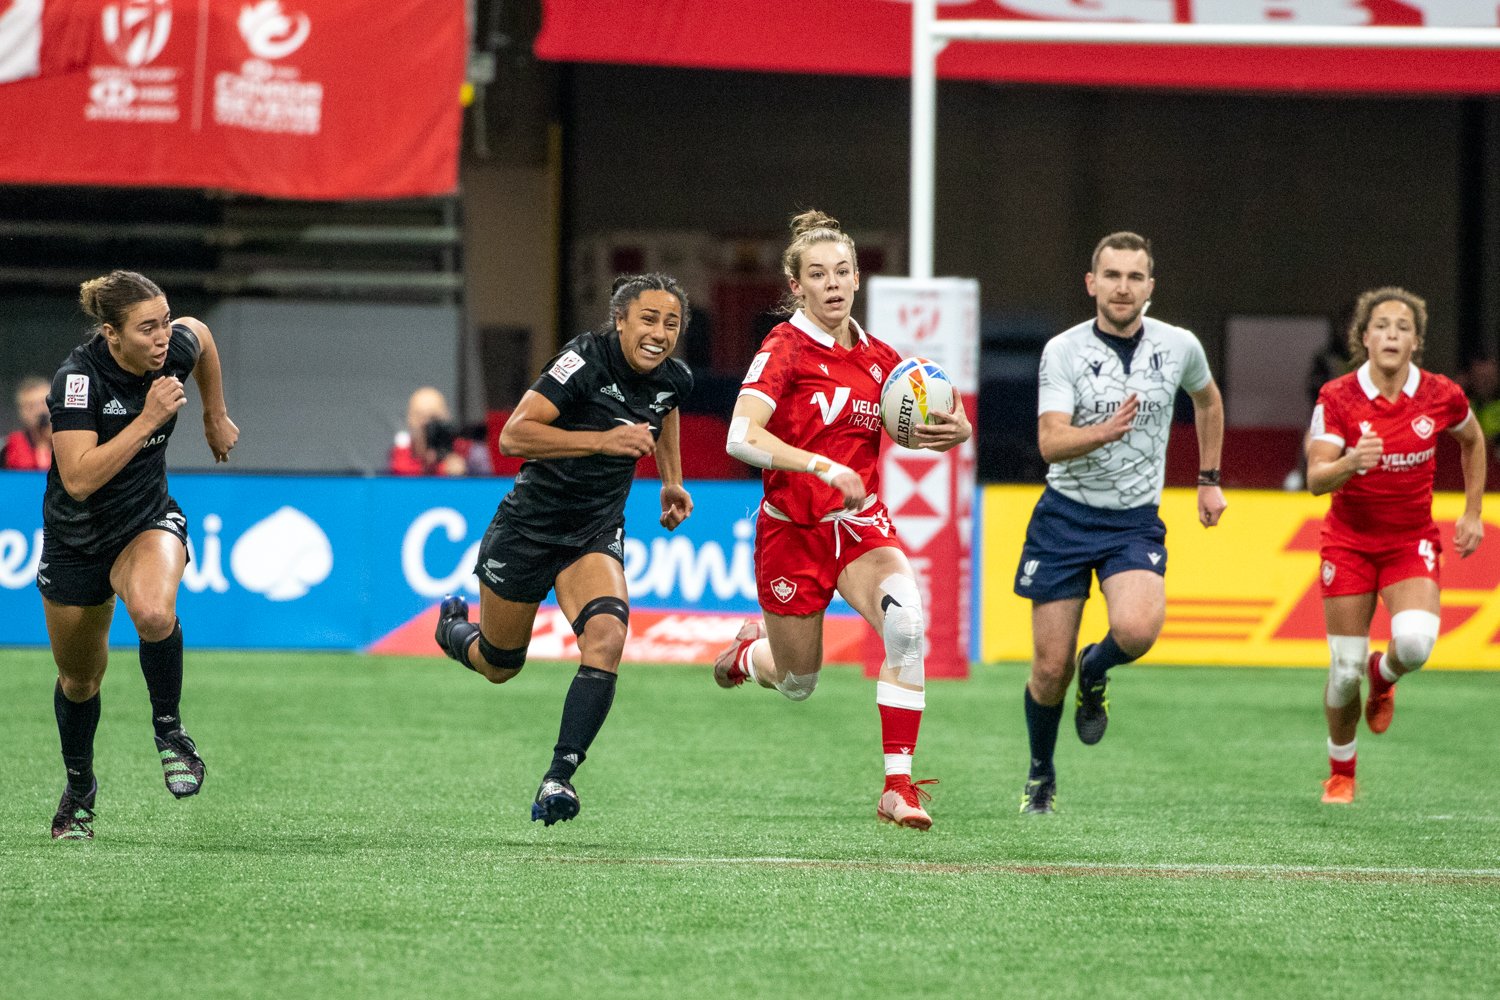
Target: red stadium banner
x=307 y=99
x=931 y=494
x=873 y=38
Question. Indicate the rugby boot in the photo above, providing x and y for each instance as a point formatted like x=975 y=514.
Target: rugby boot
x=181 y=767
x=453 y=612
x=1338 y=789
x=902 y=803
x=727 y=671
x=1039 y=796
x=74 y=819
x=555 y=802
x=1090 y=705
x=1380 y=705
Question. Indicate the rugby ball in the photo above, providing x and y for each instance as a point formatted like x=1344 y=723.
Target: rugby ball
x=914 y=390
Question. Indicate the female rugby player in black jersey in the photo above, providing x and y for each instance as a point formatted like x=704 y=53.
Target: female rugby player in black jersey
x=110 y=528
x=608 y=399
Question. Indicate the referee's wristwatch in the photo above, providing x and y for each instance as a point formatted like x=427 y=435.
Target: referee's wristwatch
x=1208 y=477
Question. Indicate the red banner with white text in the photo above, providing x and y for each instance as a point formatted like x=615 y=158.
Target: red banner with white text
x=873 y=38
x=312 y=99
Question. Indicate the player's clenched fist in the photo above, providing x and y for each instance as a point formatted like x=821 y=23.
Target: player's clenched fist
x=1366 y=452
x=165 y=397
x=629 y=440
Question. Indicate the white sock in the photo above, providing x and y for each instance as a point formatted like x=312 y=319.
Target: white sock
x=748 y=658
x=1341 y=753
x=1385 y=669
x=898 y=763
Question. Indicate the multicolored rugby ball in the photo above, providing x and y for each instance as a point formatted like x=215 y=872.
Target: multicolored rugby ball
x=914 y=390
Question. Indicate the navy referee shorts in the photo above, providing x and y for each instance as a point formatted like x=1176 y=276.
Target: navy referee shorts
x=1067 y=542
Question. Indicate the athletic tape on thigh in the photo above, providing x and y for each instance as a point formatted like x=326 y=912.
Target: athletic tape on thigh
x=1346 y=665
x=612 y=606
x=503 y=659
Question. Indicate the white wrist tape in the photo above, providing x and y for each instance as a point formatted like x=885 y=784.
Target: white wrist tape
x=827 y=469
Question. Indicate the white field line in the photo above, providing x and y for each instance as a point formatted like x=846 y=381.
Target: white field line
x=1414 y=873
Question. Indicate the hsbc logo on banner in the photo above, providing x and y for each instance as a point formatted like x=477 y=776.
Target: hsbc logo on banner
x=916 y=489
x=135 y=32
x=264 y=97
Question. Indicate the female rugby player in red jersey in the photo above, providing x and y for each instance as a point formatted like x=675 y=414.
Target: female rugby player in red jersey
x=809 y=414
x=1372 y=445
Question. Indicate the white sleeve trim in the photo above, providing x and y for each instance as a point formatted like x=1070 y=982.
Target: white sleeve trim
x=760 y=396
x=1330 y=438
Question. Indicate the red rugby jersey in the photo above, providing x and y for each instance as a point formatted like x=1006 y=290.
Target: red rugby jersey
x=1394 y=497
x=827 y=401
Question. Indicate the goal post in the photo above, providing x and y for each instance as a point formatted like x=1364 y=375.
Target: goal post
x=930 y=35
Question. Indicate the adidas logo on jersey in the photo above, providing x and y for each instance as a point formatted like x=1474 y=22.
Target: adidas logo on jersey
x=114 y=408
x=613 y=391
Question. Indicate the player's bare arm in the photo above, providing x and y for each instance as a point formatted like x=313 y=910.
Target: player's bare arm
x=1330 y=466
x=947 y=430
x=1060 y=441
x=751 y=443
x=1469 y=531
x=676 y=503
x=84 y=464
x=218 y=429
x=529 y=433
x=1208 y=418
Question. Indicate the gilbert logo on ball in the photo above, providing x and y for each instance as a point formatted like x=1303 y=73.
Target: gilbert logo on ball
x=916 y=389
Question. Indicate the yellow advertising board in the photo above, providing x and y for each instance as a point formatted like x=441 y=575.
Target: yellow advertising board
x=1244 y=592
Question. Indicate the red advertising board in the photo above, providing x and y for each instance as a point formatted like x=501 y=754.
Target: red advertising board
x=309 y=99
x=873 y=38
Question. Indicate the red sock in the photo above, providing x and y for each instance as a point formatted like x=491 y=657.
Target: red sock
x=1344 y=767
x=1378 y=683
x=898 y=735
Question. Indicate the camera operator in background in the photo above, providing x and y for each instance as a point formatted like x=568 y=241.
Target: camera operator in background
x=433 y=444
x=31 y=446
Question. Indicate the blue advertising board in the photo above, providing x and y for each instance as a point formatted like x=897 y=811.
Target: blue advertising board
x=320 y=562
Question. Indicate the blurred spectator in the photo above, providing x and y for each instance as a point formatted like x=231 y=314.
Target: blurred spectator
x=31 y=446
x=433 y=444
x=1481 y=381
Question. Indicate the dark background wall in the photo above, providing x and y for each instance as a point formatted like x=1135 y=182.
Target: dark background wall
x=1256 y=204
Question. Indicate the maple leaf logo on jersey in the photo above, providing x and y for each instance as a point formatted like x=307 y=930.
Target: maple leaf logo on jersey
x=783 y=589
x=1424 y=426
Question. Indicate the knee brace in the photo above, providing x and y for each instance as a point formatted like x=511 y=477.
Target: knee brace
x=612 y=606
x=501 y=659
x=1413 y=634
x=798 y=687
x=1347 y=657
x=904 y=630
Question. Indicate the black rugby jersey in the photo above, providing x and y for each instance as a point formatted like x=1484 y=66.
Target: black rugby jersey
x=90 y=392
x=567 y=501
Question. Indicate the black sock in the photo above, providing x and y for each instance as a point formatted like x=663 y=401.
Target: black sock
x=1106 y=653
x=76 y=722
x=161 y=663
x=460 y=637
x=588 y=701
x=1041 y=729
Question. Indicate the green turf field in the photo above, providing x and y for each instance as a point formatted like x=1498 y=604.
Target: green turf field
x=363 y=833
